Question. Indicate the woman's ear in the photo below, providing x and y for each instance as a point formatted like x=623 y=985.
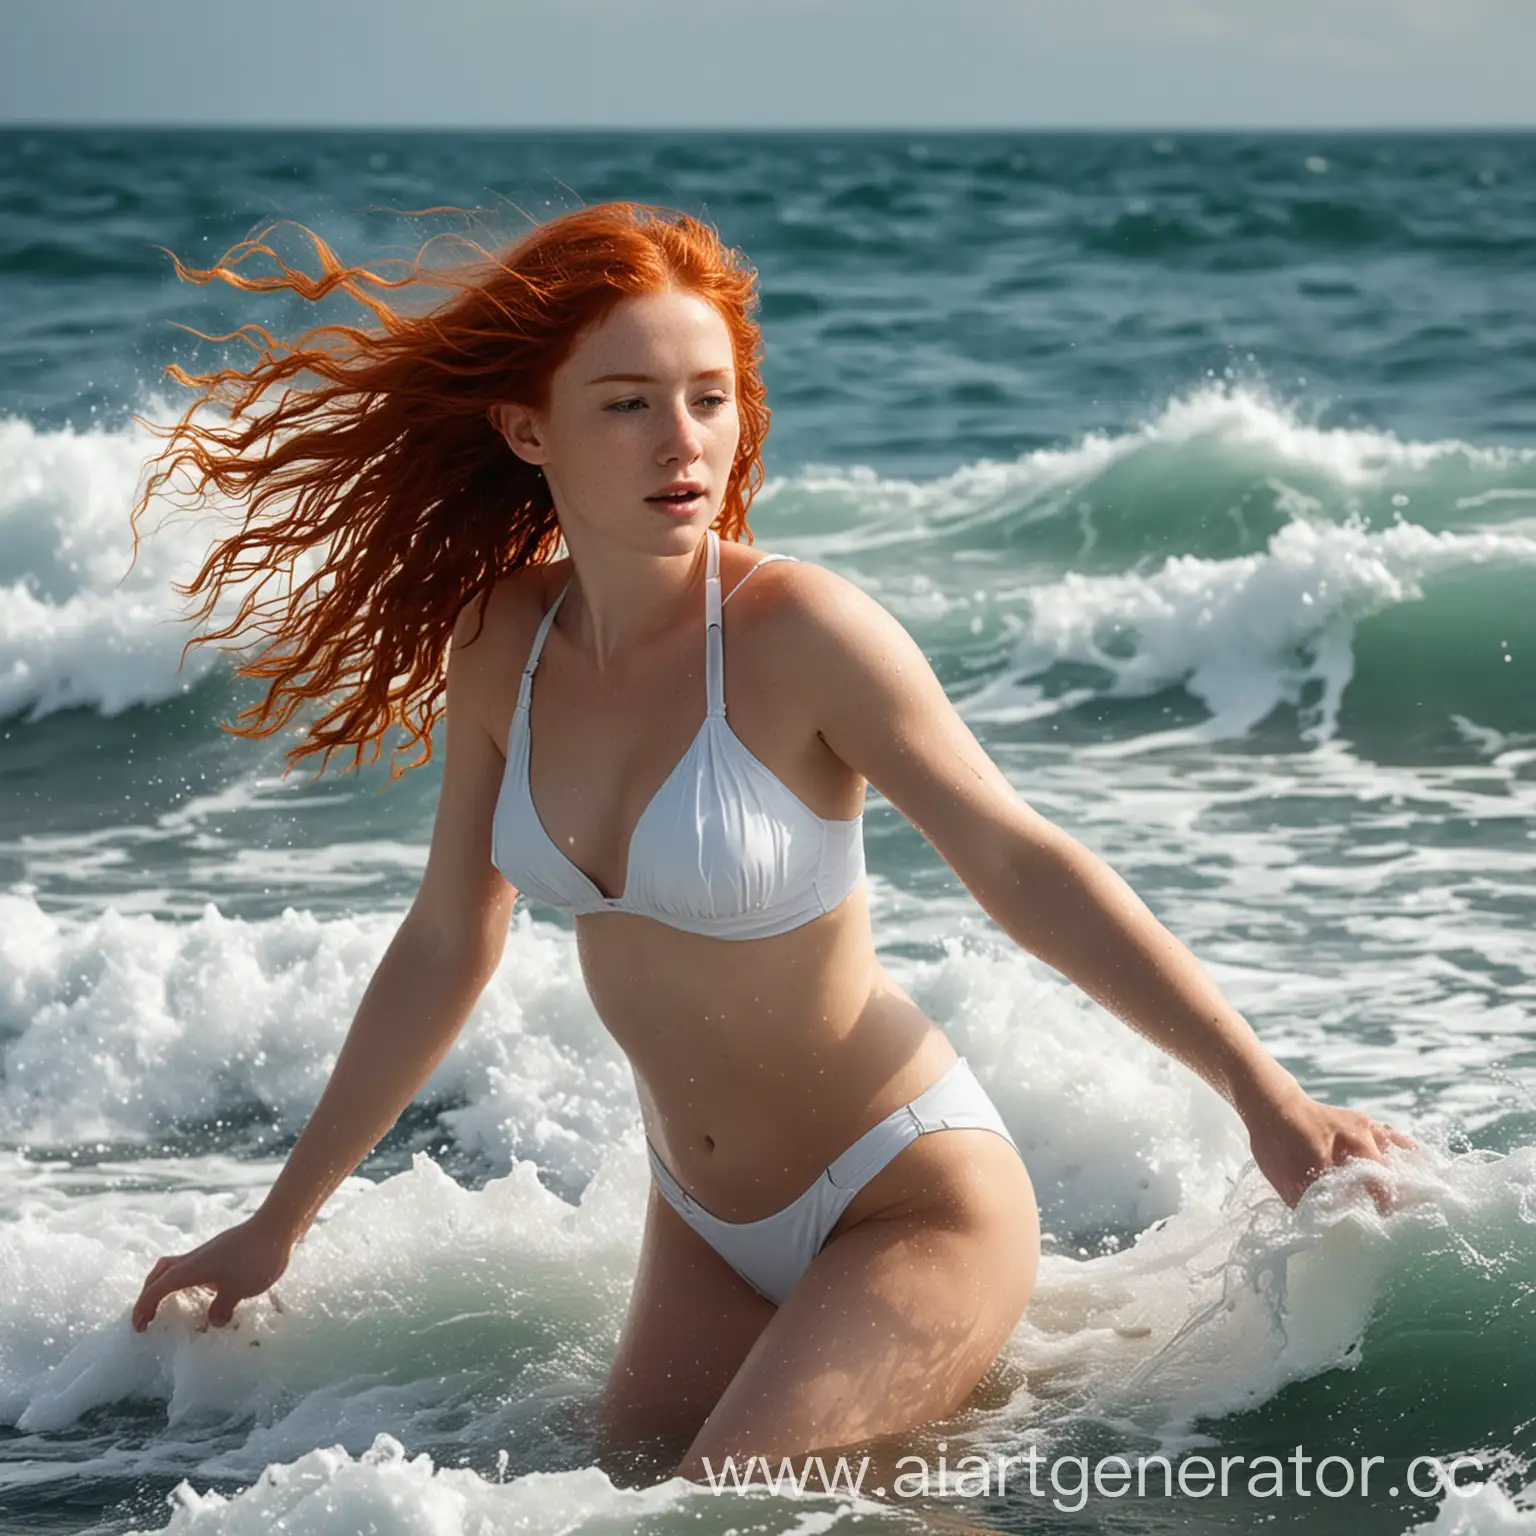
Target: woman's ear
x=515 y=425
x=500 y=418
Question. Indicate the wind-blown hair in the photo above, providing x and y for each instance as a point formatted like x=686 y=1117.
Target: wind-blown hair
x=370 y=451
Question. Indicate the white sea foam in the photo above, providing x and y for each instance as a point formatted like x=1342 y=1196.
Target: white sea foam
x=121 y=1023
x=407 y=1299
x=115 y=1026
x=415 y=1296
x=1484 y=1510
x=402 y=1292
x=1242 y=635
x=838 y=512
x=69 y=634
x=77 y=626
x=119 y=1026
x=1217 y=1309
x=390 y=1492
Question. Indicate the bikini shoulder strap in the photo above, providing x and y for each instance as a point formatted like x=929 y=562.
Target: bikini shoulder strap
x=714 y=656
x=525 y=691
x=714 y=643
x=766 y=560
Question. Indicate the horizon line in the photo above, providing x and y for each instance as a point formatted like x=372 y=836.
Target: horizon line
x=955 y=129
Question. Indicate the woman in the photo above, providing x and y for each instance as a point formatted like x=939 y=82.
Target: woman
x=672 y=738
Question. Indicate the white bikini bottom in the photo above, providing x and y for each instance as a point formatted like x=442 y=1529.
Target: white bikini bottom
x=772 y=1253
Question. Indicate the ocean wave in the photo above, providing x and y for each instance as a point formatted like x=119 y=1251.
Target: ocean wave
x=1247 y=635
x=1224 y=496
x=122 y=1029
x=78 y=628
x=328 y=1492
x=1213 y=1313
x=1233 y=232
x=1176 y=1289
x=1227 y=549
x=1215 y=472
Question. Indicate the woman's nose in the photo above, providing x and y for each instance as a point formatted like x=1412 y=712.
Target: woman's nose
x=682 y=438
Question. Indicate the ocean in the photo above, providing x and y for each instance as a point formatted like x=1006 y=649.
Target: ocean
x=1203 y=468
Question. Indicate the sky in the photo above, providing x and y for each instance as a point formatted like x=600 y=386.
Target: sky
x=772 y=63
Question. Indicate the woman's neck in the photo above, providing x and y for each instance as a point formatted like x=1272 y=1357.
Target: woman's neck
x=623 y=600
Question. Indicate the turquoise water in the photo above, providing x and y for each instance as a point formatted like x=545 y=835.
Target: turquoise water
x=1204 y=470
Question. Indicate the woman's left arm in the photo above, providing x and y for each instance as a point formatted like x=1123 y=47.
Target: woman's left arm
x=880 y=708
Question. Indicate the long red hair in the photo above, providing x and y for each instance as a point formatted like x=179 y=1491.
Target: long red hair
x=385 y=468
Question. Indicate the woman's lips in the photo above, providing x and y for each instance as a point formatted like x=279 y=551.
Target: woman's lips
x=676 y=506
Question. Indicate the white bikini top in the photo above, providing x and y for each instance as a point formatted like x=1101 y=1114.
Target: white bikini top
x=723 y=848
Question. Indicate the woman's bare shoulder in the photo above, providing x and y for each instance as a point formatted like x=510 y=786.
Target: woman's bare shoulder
x=506 y=614
x=494 y=632
x=789 y=620
x=794 y=597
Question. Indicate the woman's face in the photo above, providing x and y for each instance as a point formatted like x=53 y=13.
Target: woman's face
x=645 y=399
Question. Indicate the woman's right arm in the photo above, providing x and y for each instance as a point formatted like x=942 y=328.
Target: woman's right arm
x=422 y=991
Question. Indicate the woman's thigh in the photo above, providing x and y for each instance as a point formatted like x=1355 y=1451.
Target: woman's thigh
x=899 y=1316
x=691 y=1322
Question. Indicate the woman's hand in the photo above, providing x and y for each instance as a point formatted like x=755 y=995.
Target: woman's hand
x=243 y=1261
x=1295 y=1140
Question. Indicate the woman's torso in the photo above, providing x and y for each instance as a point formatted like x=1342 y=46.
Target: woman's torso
x=756 y=1061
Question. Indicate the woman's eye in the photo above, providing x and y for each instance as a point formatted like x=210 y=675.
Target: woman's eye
x=714 y=401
